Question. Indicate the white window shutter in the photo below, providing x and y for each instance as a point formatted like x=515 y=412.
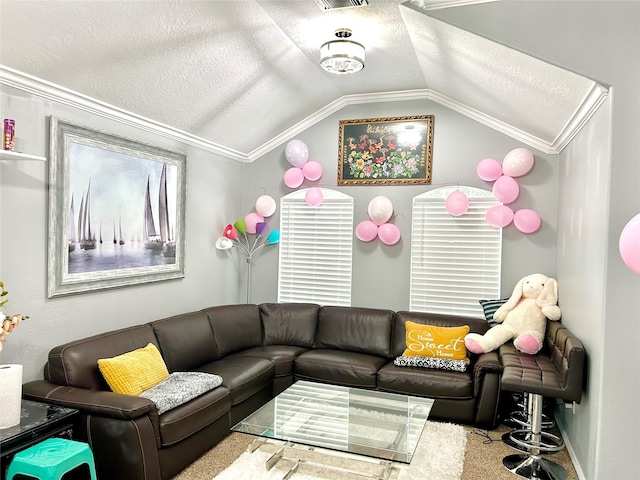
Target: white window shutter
x=455 y=261
x=316 y=249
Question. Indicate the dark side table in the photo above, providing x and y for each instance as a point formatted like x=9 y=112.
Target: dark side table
x=38 y=421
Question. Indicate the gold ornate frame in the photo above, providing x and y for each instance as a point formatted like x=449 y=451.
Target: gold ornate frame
x=386 y=151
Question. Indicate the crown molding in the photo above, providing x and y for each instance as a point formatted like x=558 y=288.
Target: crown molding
x=440 y=4
x=65 y=96
x=592 y=101
x=50 y=91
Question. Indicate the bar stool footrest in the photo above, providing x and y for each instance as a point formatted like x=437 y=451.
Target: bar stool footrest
x=522 y=440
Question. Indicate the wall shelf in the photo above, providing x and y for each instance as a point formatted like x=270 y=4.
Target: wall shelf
x=10 y=155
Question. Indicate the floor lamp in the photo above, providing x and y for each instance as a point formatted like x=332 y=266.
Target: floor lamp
x=236 y=236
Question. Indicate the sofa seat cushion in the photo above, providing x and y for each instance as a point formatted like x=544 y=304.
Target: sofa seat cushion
x=242 y=376
x=426 y=382
x=282 y=356
x=190 y=417
x=338 y=367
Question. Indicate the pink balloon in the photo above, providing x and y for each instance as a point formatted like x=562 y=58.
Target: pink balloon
x=380 y=210
x=517 y=162
x=629 y=244
x=265 y=206
x=527 y=221
x=457 y=203
x=293 y=177
x=489 y=169
x=499 y=216
x=389 y=234
x=366 y=231
x=314 y=197
x=506 y=189
x=297 y=153
x=312 y=171
x=251 y=219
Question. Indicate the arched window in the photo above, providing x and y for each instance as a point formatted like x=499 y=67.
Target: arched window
x=455 y=261
x=316 y=249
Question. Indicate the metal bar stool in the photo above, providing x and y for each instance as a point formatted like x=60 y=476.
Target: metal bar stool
x=520 y=438
x=557 y=371
x=51 y=459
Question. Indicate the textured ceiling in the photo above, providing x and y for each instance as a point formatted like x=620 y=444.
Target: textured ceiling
x=241 y=73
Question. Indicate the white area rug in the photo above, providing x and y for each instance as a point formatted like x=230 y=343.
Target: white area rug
x=439 y=456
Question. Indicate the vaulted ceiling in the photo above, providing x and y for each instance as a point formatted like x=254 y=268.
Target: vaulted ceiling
x=243 y=76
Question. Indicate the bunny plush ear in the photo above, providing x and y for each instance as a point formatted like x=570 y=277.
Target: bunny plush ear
x=549 y=295
x=515 y=296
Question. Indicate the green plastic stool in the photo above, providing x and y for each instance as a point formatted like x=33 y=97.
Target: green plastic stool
x=51 y=459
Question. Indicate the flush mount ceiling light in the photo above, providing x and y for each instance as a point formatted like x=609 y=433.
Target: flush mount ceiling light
x=342 y=56
x=333 y=4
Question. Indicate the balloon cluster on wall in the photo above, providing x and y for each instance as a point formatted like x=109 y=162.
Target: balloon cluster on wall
x=506 y=190
x=297 y=154
x=380 y=210
x=629 y=244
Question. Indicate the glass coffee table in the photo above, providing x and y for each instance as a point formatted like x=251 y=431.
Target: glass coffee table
x=375 y=424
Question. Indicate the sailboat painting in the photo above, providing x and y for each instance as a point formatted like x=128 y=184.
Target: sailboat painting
x=135 y=190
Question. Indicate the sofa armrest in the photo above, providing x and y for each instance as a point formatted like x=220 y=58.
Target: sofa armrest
x=90 y=402
x=112 y=424
x=486 y=363
x=487 y=371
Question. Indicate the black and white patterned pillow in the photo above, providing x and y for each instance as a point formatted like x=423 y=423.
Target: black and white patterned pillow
x=179 y=388
x=431 y=362
x=489 y=307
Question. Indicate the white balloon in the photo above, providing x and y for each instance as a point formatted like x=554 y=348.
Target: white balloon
x=380 y=210
x=517 y=162
x=265 y=205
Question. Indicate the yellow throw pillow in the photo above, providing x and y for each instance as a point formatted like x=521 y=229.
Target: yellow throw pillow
x=134 y=372
x=438 y=342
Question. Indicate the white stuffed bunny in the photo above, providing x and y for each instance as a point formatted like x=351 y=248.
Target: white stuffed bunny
x=522 y=318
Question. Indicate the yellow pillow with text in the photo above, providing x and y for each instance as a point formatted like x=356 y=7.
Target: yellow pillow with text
x=134 y=372
x=438 y=342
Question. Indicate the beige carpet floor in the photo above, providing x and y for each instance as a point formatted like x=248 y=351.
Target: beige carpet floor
x=483 y=458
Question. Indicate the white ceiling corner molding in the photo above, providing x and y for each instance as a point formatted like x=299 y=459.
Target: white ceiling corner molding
x=492 y=122
x=50 y=91
x=440 y=4
x=330 y=109
x=41 y=88
x=592 y=101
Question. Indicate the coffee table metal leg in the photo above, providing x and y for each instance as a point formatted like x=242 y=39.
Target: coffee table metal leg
x=280 y=454
x=273 y=459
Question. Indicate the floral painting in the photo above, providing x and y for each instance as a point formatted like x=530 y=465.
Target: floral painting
x=395 y=150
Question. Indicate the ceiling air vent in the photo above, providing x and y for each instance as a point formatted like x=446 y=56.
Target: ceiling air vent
x=333 y=4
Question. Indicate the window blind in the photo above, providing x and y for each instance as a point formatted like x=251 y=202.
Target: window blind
x=316 y=249
x=455 y=261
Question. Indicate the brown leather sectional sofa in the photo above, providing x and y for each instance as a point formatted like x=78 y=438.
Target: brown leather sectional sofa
x=258 y=350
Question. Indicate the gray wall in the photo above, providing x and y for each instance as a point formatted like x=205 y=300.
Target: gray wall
x=380 y=272
x=599 y=294
x=213 y=187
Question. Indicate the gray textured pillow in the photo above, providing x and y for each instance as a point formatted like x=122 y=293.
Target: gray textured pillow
x=179 y=388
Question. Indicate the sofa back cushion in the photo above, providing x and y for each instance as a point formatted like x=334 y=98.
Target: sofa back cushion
x=186 y=341
x=354 y=329
x=291 y=324
x=76 y=363
x=235 y=327
x=476 y=325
